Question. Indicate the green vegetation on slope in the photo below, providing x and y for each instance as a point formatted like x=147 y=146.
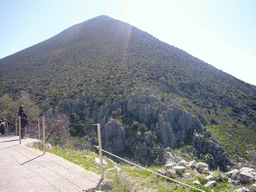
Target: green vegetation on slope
x=105 y=59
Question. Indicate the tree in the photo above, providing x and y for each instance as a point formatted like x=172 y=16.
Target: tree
x=142 y=128
x=56 y=126
x=31 y=108
x=8 y=108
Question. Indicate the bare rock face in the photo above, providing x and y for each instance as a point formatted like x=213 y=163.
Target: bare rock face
x=114 y=136
x=166 y=127
x=143 y=152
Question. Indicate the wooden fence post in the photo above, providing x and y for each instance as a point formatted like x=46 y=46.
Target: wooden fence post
x=100 y=151
x=7 y=127
x=16 y=126
x=19 y=130
x=38 y=128
x=44 y=133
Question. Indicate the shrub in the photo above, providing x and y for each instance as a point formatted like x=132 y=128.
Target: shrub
x=56 y=126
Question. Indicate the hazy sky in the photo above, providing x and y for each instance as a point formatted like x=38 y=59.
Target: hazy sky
x=219 y=32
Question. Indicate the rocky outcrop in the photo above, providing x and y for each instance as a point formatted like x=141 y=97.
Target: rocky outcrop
x=166 y=127
x=216 y=155
x=114 y=136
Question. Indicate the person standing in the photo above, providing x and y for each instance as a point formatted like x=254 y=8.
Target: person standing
x=24 y=120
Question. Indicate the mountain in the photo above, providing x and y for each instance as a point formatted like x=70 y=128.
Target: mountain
x=148 y=95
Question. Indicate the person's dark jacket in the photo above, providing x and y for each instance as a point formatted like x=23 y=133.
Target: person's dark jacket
x=24 y=120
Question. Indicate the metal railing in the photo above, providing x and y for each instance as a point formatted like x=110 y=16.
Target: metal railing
x=99 y=147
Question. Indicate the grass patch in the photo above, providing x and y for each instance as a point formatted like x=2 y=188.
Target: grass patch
x=131 y=178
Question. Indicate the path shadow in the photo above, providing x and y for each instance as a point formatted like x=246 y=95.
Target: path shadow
x=32 y=159
x=8 y=147
x=10 y=140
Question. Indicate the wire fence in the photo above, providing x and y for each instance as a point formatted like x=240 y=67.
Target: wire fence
x=37 y=128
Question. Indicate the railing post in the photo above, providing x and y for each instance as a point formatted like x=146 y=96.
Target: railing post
x=7 y=128
x=25 y=132
x=19 y=130
x=38 y=128
x=16 y=126
x=44 y=134
x=100 y=151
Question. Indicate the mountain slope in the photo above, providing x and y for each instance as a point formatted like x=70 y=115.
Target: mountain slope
x=101 y=62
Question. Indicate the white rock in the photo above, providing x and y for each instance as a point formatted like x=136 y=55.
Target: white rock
x=48 y=146
x=233 y=174
x=247 y=174
x=210 y=183
x=253 y=187
x=117 y=168
x=170 y=172
x=196 y=182
x=192 y=164
x=208 y=178
x=202 y=167
x=170 y=165
x=243 y=189
x=179 y=168
x=187 y=174
x=182 y=163
x=97 y=160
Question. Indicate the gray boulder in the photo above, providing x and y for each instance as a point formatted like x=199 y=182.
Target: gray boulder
x=210 y=183
x=192 y=164
x=209 y=178
x=234 y=174
x=187 y=175
x=196 y=182
x=48 y=146
x=161 y=171
x=170 y=172
x=242 y=189
x=179 y=169
x=170 y=165
x=247 y=175
x=182 y=163
x=202 y=167
x=253 y=187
